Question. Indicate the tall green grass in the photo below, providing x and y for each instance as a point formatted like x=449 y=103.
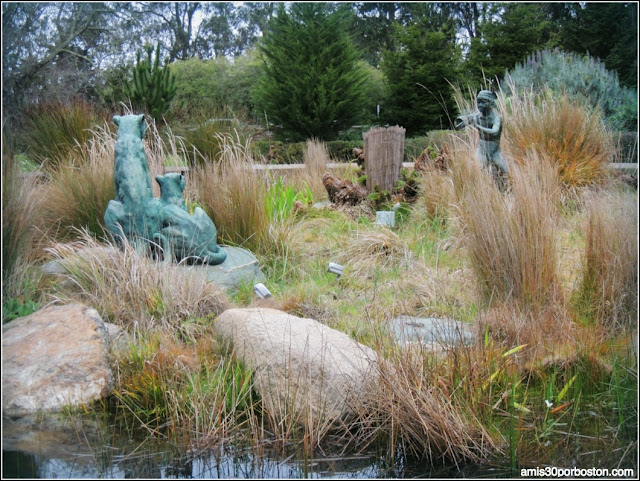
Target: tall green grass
x=56 y=130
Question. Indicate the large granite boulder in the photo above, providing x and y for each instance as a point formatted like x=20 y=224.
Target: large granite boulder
x=55 y=357
x=300 y=365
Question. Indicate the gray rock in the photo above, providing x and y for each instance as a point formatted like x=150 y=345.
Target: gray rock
x=53 y=358
x=301 y=366
x=240 y=266
x=324 y=204
x=56 y=266
x=431 y=331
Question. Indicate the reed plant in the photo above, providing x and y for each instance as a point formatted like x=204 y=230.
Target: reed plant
x=570 y=135
x=54 y=130
x=510 y=238
x=233 y=194
x=189 y=391
x=22 y=207
x=131 y=290
x=316 y=158
x=414 y=405
x=566 y=133
x=609 y=289
x=80 y=189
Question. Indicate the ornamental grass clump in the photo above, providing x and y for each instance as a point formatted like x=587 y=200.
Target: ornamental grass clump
x=510 y=237
x=234 y=195
x=414 y=406
x=380 y=248
x=55 y=130
x=567 y=134
x=609 y=289
x=131 y=290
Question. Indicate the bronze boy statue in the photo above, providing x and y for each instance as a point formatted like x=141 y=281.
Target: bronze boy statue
x=489 y=125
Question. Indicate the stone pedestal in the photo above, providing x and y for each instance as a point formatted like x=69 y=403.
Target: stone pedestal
x=240 y=267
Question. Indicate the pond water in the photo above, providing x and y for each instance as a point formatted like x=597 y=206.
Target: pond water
x=55 y=447
x=90 y=447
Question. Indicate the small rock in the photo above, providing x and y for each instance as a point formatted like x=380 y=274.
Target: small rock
x=431 y=332
x=53 y=358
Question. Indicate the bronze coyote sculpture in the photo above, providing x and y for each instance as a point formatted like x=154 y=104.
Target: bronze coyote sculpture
x=153 y=223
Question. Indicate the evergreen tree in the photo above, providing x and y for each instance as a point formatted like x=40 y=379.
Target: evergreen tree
x=312 y=84
x=508 y=34
x=420 y=97
x=608 y=31
x=152 y=86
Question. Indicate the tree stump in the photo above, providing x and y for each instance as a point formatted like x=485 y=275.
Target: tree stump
x=383 y=154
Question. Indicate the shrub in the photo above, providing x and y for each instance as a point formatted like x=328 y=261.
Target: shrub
x=55 y=130
x=581 y=78
x=610 y=274
x=151 y=87
x=215 y=84
x=312 y=81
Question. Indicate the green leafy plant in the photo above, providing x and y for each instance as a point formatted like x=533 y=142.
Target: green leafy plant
x=281 y=199
x=152 y=86
x=16 y=307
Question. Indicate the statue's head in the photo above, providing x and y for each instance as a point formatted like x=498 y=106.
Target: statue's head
x=486 y=100
x=130 y=124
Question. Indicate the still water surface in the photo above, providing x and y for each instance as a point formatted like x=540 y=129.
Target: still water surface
x=61 y=448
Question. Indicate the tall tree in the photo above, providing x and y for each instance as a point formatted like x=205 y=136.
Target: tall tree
x=174 y=24
x=52 y=51
x=608 y=31
x=418 y=73
x=509 y=33
x=312 y=84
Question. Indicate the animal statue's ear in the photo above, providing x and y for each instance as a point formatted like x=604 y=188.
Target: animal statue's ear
x=159 y=180
x=116 y=120
x=141 y=124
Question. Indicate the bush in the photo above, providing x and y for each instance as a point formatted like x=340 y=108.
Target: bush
x=580 y=77
x=312 y=83
x=207 y=86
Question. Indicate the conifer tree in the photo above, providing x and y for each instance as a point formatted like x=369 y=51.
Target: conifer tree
x=419 y=74
x=153 y=86
x=312 y=84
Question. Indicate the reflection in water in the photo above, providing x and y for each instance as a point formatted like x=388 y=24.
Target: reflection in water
x=58 y=446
